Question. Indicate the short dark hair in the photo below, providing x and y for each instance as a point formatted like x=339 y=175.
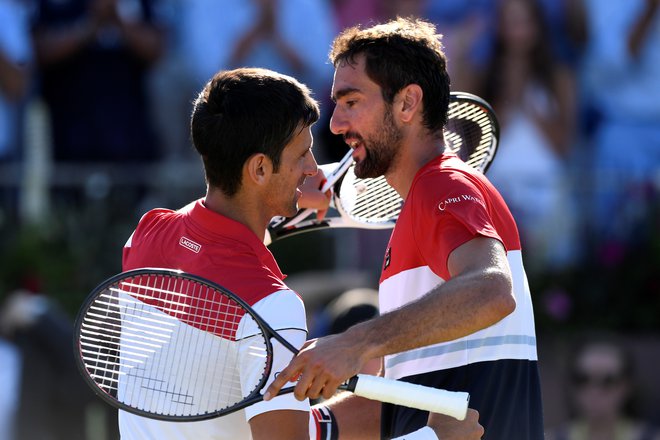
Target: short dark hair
x=246 y=111
x=398 y=53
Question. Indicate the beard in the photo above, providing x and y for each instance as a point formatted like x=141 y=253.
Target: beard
x=381 y=149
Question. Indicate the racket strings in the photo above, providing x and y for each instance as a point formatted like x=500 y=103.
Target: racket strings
x=176 y=359
x=469 y=133
x=370 y=200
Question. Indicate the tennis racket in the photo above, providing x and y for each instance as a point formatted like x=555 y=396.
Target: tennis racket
x=472 y=132
x=171 y=346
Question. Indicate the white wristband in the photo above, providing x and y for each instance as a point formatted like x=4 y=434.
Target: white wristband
x=322 y=424
x=425 y=433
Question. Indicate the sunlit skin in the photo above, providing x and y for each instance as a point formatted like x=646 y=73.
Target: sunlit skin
x=296 y=164
x=379 y=132
x=393 y=140
x=480 y=284
x=365 y=121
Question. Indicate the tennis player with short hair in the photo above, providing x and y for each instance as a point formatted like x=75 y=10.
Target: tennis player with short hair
x=252 y=128
x=456 y=310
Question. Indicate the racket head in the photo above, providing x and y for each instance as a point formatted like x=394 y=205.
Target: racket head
x=471 y=132
x=167 y=345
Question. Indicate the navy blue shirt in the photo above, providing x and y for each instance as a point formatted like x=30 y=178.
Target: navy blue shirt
x=514 y=384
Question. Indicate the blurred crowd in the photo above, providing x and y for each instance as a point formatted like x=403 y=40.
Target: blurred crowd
x=95 y=98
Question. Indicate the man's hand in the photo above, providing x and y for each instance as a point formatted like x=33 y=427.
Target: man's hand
x=448 y=428
x=320 y=367
x=312 y=196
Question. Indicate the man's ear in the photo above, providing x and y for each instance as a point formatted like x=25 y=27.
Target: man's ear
x=410 y=102
x=258 y=169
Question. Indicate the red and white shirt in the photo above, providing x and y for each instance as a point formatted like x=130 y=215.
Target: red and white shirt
x=449 y=204
x=197 y=240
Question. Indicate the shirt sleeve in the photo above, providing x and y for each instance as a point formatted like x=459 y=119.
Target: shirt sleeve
x=450 y=210
x=285 y=312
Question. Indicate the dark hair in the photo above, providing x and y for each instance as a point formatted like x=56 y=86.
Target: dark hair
x=246 y=111
x=398 y=53
x=543 y=58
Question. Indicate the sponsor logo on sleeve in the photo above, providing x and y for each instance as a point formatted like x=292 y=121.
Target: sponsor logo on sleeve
x=443 y=205
x=189 y=244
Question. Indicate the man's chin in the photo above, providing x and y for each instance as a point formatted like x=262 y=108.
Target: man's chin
x=293 y=209
x=363 y=171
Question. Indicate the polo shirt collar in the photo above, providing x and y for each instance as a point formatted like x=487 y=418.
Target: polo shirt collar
x=220 y=225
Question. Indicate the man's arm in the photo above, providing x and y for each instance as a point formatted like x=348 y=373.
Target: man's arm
x=478 y=295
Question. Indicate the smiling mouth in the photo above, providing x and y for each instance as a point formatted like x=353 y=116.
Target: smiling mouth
x=353 y=140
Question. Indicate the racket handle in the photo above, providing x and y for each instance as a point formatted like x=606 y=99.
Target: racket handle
x=451 y=403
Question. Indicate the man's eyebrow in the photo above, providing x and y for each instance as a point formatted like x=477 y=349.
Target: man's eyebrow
x=343 y=92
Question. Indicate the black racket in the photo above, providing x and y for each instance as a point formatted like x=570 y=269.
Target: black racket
x=472 y=132
x=168 y=345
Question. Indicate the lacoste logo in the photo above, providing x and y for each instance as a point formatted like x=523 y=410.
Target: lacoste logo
x=189 y=244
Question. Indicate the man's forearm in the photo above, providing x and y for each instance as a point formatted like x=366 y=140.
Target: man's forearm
x=453 y=310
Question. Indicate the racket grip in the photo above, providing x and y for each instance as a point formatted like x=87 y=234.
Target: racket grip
x=451 y=403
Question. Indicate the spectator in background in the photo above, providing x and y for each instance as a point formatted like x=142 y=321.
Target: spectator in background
x=288 y=36
x=602 y=392
x=15 y=55
x=467 y=32
x=567 y=28
x=533 y=95
x=351 y=13
x=621 y=83
x=10 y=360
x=470 y=28
x=172 y=89
x=15 y=72
x=49 y=395
x=93 y=57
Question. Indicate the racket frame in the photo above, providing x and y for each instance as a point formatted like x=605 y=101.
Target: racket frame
x=268 y=332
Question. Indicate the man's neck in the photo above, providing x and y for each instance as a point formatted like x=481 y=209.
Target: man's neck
x=413 y=157
x=237 y=208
